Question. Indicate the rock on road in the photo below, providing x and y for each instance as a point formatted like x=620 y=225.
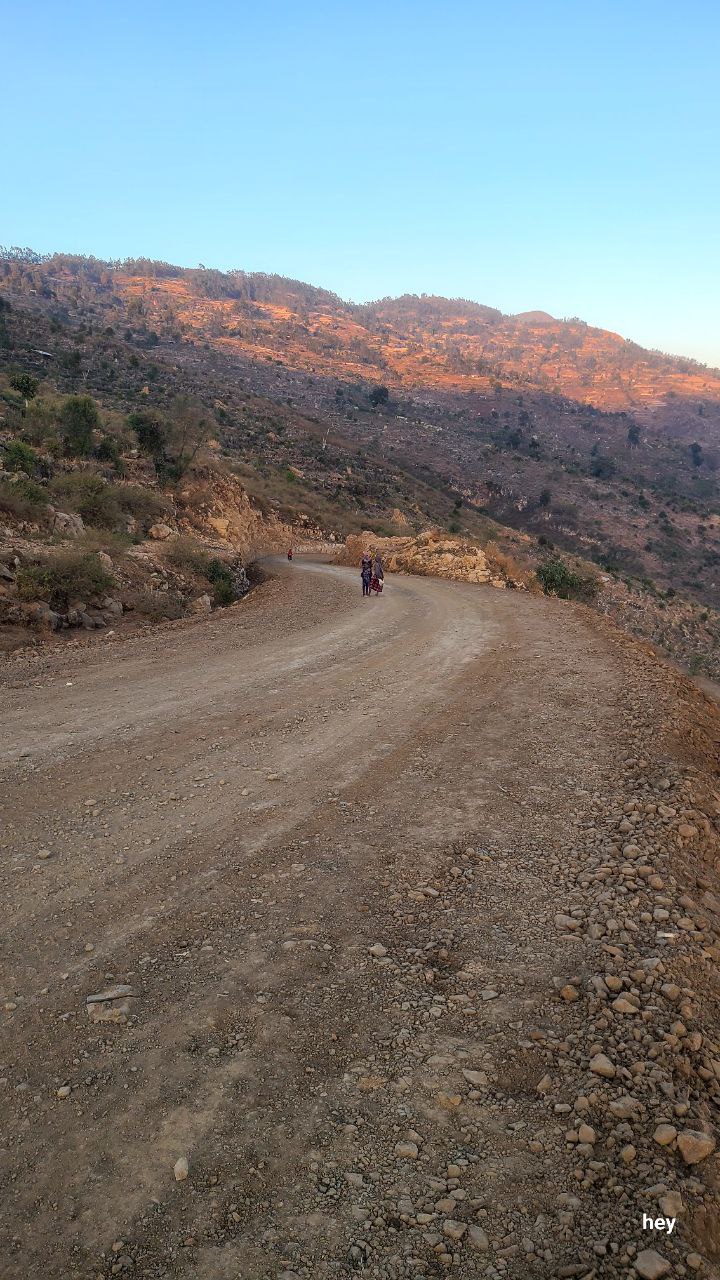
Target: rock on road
x=283 y=942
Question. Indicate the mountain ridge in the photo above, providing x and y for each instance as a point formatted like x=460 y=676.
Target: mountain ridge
x=626 y=362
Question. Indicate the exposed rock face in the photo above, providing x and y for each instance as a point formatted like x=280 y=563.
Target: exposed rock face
x=433 y=554
x=214 y=504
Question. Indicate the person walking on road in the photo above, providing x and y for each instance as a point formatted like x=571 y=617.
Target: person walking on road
x=366 y=572
x=378 y=575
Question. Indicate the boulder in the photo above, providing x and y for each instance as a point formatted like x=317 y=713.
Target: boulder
x=44 y=616
x=160 y=531
x=68 y=524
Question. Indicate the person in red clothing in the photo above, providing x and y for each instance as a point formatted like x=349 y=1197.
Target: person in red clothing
x=289 y=553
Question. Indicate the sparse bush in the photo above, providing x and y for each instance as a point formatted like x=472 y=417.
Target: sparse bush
x=108 y=450
x=89 y=495
x=188 y=555
x=221 y=578
x=506 y=564
x=157 y=605
x=23 y=499
x=110 y=541
x=150 y=431
x=79 y=418
x=73 y=575
x=11 y=398
x=558 y=579
x=19 y=456
x=144 y=505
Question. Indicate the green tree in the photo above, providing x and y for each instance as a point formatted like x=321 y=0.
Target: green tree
x=151 y=433
x=25 y=384
x=633 y=435
x=696 y=453
x=79 y=418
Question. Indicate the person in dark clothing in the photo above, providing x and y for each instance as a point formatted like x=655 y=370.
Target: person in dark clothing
x=366 y=573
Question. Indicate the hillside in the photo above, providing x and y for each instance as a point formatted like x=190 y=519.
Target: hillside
x=408 y=342
x=401 y=413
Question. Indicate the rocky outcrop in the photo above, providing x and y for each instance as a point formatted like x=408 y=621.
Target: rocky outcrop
x=67 y=524
x=435 y=554
x=214 y=505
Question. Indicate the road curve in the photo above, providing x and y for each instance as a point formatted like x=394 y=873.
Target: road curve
x=225 y=816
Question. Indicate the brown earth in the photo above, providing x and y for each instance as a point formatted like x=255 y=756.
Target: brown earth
x=346 y=854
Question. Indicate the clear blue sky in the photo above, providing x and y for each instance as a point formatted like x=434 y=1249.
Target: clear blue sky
x=529 y=154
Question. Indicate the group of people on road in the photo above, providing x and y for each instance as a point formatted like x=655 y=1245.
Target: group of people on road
x=372 y=573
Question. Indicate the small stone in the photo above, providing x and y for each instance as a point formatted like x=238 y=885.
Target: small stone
x=477 y=1239
x=601 y=1065
x=628 y=1153
x=651 y=1265
x=694 y=1261
x=43 y=854
x=621 y=1005
x=454 y=1230
x=586 y=1134
x=624 y=1108
x=118 y=992
x=672 y=1205
x=406 y=1151
x=64 y=1091
x=665 y=1134
x=695 y=1146
x=181 y=1169
x=569 y=993
x=476 y=1078
x=377 y=949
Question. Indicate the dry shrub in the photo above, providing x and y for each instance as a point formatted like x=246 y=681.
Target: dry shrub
x=188 y=555
x=23 y=499
x=71 y=575
x=157 y=605
x=507 y=566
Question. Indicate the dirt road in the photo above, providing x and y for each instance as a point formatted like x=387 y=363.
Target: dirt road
x=334 y=859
